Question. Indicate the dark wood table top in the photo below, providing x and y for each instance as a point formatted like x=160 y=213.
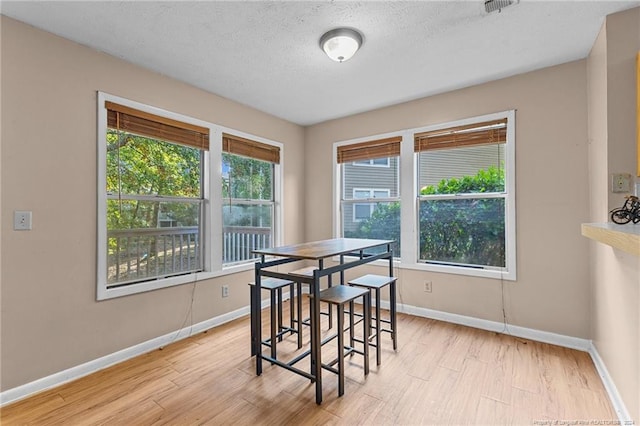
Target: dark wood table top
x=322 y=249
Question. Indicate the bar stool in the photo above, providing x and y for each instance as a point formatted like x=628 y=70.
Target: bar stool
x=308 y=272
x=275 y=286
x=339 y=296
x=376 y=283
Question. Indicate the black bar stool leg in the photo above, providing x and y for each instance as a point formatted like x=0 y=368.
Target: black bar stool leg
x=291 y=301
x=299 y=307
x=378 y=329
x=367 y=328
x=394 y=328
x=351 y=325
x=340 y=348
x=255 y=345
x=280 y=314
x=273 y=313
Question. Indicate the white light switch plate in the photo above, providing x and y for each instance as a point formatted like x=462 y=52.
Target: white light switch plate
x=22 y=220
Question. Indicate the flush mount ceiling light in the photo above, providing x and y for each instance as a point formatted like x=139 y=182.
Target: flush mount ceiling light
x=340 y=44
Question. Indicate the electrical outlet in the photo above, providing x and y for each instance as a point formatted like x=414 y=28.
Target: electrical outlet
x=22 y=220
x=427 y=286
x=225 y=291
x=620 y=182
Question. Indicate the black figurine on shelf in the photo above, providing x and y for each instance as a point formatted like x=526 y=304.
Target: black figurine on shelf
x=629 y=212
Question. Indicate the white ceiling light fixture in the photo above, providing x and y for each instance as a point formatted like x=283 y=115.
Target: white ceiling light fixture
x=341 y=44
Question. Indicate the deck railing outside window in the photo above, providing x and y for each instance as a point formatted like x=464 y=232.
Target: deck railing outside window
x=240 y=241
x=145 y=254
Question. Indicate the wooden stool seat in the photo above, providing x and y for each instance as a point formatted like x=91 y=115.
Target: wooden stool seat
x=376 y=283
x=372 y=281
x=275 y=286
x=339 y=296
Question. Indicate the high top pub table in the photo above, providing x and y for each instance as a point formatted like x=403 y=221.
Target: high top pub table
x=351 y=253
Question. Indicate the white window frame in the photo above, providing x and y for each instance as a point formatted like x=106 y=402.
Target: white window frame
x=409 y=199
x=212 y=194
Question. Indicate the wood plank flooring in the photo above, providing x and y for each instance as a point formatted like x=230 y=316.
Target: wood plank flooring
x=441 y=374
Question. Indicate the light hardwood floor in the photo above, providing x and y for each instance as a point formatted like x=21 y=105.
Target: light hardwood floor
x=441 y=374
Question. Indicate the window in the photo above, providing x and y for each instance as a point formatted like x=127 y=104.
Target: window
x=463 y=196
x=379 y=216
x=154 y=196
x=179 y=199
x=456 y=189
x=248 y=197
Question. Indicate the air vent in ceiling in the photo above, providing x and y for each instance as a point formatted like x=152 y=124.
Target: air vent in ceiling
x=493 y=5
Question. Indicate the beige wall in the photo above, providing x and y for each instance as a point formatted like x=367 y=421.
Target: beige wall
x=50 y=318
x=552 y=290
x=48 y=166
x=615 y=275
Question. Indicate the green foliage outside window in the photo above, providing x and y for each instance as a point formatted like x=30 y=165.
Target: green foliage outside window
x=384 y=224
x=142 y=166
x=464 y=231
x=246 y=178
x=459 y=231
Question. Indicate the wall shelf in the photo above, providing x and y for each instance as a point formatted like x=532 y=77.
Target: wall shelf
x=623 y=237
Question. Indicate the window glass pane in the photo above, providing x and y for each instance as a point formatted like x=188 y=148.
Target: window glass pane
x=371 y=220
x=466 y=231
x=246 y=178
x=141 y=166
x=377 y=220
x=246 y=227
x=366 y=178
x=362 y=211
x=152 y=239
x=462 y=170
x=361 y=193
x=381 y=161
x=148 y=238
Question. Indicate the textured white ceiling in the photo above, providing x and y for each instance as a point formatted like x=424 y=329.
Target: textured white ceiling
x=265 y=54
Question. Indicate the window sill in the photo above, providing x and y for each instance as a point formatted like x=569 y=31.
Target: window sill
x=105 y=294
x=623 y=237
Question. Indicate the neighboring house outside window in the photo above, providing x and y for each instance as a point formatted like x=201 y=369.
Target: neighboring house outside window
x=374 y=162
x=363 y=211
x=369 y=171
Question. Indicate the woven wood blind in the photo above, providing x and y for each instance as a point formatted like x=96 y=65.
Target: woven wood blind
x=486 y=133
x=250 y=148
x=380 y=148
x=153 y=126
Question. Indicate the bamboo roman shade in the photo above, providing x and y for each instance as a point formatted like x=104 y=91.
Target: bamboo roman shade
x=486 y=133
x=250 y=148
x=380 y=148
x=154 y=126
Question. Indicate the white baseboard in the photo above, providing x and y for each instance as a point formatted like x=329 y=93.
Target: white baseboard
x=612 y=391
x=73 y=373
x=57 y=379
x=498 y=327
